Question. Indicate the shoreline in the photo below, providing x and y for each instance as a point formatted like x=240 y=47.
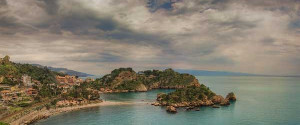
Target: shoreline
x=44 y=113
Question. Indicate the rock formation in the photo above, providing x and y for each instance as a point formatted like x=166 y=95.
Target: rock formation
x=171 y=109
x=231 y=97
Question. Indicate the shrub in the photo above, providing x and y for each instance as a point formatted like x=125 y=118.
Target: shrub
x=24 y=104
x=2 y=123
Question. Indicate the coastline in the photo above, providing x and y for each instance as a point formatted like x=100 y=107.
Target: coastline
x=44 y=113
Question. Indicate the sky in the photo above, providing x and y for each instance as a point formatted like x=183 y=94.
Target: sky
x=97 y=36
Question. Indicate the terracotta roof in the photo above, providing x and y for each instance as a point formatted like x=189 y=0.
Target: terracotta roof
x=5 y=91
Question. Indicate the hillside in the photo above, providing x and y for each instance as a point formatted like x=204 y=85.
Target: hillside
x=11 y=73
x=25 y=87
x=65 y=71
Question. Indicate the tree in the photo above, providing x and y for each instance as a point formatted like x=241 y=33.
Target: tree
x=2 y=123
x=6 y=60
x=8 y=81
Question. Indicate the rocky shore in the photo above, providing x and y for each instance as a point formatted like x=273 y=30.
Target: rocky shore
x=45 y=113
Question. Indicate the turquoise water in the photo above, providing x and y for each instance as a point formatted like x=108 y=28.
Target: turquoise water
x=261 y=101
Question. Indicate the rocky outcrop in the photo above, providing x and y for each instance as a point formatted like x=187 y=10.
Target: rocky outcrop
x=141 y=88
x=215 y=106
x=225 y=102
x=217 y=99
x=171 y=109
x=231 y=96
x=206 y=101
x=156 y=104
x=160 y=96
x=189 y=108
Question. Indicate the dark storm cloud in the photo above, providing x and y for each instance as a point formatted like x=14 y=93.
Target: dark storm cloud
x=295 y=25
x=268 y=41
x=219 y=1
x=102 y=57
x=3 y=3
x=155 y=5
x=5 y=20
x=50 y=6
x=88 y=23
x=236 y=23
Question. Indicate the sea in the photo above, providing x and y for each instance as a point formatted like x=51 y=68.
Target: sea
x=260 y=101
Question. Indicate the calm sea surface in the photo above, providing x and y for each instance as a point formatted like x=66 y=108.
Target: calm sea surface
x=261 y=101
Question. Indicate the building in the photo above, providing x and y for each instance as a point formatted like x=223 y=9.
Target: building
x=8 y=95
x=70 y=80
x=36 y=82
x=61 y=79
x=89 y=80
x=26 y=79
x=5 y=87
x=79 y=81
x=31 y=91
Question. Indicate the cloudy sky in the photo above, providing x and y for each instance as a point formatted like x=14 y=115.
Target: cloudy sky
x=96 y=36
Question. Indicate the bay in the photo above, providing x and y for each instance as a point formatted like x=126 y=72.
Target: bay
x=261 y=101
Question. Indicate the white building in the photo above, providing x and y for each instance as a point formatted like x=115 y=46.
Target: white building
x=26 y=79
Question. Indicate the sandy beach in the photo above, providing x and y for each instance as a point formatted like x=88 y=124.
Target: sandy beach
x=44 y=113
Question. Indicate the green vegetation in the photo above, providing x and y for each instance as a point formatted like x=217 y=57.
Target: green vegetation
x=24 y=104
x=9 y=81
x=12 y=73
x=116 y=72
x=44 y=75
x=8 y=70
x=128 y=85
x=188 y=94
x=47 y=90
x=107 y=80
x=169 y=77
x=84 y=91
x=127 y=79
x=2 y=123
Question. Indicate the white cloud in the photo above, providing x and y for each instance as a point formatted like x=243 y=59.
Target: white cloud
x=96 y=36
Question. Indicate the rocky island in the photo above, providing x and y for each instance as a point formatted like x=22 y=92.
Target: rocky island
x=192 y=97
x=127 y=80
